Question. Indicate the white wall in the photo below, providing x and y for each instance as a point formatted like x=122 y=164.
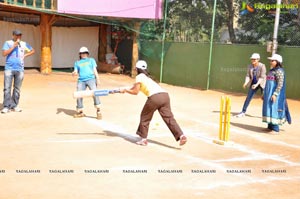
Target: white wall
x=31 y=34
x=65 y=43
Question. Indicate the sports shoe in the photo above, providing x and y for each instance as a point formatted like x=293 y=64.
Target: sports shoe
x=241 y=114
x=142 y=142
x=5 y=110
x=99 y=115
x=182 y=140
x=79 y=114
x=16 y=109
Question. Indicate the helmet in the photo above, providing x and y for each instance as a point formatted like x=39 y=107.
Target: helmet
x=276 y=57
x=255 y=56
x=83 y=50
x=141 y=64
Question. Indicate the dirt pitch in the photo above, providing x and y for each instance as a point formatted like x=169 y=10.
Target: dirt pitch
x=45 y=153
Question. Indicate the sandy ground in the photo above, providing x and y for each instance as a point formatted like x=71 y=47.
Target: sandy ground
x=45 y=153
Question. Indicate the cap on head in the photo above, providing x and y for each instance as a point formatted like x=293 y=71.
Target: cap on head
x=255 y=56
x=17 y=32
x=276 y=57
x=141 y=64
x=83 y=50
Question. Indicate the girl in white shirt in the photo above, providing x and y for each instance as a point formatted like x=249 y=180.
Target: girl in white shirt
x=158 y=99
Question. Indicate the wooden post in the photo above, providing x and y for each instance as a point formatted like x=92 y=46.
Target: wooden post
x=102 y=42
x=102 y=45
x=135 y=49
x=46 y=43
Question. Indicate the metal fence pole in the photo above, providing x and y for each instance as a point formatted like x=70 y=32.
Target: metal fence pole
x=163 y=43
x=211 y=43
x=276 y=24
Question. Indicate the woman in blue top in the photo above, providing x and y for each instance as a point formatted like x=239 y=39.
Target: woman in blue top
x=275 y=110
x=86 y=69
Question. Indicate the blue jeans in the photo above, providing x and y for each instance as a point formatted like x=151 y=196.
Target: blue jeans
x=11 y=99
x=81 y=86
x=250 y=95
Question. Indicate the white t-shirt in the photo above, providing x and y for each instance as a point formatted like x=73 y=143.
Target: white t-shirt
x=148 y=86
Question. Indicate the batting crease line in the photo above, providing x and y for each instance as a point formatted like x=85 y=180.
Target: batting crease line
x=253 y=155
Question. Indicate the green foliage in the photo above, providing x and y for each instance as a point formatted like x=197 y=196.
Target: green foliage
x=257 y=27
x=191 y=21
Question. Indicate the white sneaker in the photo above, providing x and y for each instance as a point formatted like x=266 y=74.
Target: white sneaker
x=5 y=110
x=142 y=142
x=241 y=114
x=182 y=140
x=17 y=109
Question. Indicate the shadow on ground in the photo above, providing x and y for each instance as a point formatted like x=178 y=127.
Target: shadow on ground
x=133 y=139
x=65 y=111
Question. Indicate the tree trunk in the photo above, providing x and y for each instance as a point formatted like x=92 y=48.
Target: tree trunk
x=231 y=11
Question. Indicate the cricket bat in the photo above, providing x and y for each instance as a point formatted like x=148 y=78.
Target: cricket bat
x=92 y=93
